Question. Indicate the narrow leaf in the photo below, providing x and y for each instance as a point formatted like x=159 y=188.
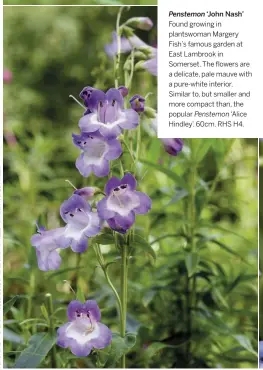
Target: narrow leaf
x=9 y=304
x=191 y=262
x=38 y=347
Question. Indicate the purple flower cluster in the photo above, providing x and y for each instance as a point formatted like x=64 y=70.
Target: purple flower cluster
x=103 y=121
x=84 y=331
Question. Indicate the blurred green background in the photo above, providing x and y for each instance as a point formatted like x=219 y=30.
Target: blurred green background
x=56 y=52
x=80 y=2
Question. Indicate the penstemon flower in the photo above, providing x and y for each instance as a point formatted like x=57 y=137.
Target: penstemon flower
x=137 y=103
x=97 y=151
x=45 y=243
x=84 y=331
x=108 y=116
x=87 y=193
x=81 y=222
x=173 y=146
x=122 y=203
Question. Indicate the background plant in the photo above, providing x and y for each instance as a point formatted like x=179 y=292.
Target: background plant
x=193 y=283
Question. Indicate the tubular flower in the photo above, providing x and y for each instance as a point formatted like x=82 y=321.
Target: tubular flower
x=142 y=23
x=45 y=243
x=81 y=222
x=84 y=331
x=137 y=103
x=173 y=146
x=87 y=193
x=122 y=203
x=107 y=114
x=97 y=151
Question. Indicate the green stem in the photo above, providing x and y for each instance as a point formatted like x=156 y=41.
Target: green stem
x=124 y=280
x=118 y=57
x=51 y=329
x=191 y=293
x=105 y=271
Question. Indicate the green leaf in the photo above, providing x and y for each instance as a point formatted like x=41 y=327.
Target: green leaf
x=179 y=194
x=191 y=261
x=119 y=347
x=154 y=348
x=9 y=304
x=38 y=347
x=11 y=336
x=203 y=148
x=104 y=239
x=44 y=312
x=172 y=175
x=245 y=343
x=141 y=244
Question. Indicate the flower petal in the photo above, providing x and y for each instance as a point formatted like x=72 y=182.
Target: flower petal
x=92 y=306
x=104 y=338
x=71 y=204
x=84 y=168
x=102 y=169
x=145 y=203
x=114 y=149
x=111 y=130
x=129 y=119
x=48 y=260
x=111 y=184
x=103 y=212
x=89 y=123
x=125 y=222
x=94 y=225
x=130 y=180
x=114 y=226
x=72 y=308
x=114 y=95
x=80 y=245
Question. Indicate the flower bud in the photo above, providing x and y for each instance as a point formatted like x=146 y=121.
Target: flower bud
x=173 y=146
x=87 y=192
x=137 y=103
x=123 y=90
x=142 y=23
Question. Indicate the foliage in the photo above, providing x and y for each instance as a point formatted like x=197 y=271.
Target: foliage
x=192 y=277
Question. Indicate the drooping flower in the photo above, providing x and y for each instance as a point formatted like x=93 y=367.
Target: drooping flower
x=173 y=146
x=122 y=203
x=97 y=151
x=151 y=64
x=45 y=243
x=87 y=193
x=134 y=42
x=137 y=103
x=81 y=223
x=84 y=331
x=108 y=116
x=142 y=23
x=123 y=90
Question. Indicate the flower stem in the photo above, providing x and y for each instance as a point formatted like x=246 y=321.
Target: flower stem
x=51 y=328
x=124 y=280
x=118 y=57
x=105 y=270
x=191 y=293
